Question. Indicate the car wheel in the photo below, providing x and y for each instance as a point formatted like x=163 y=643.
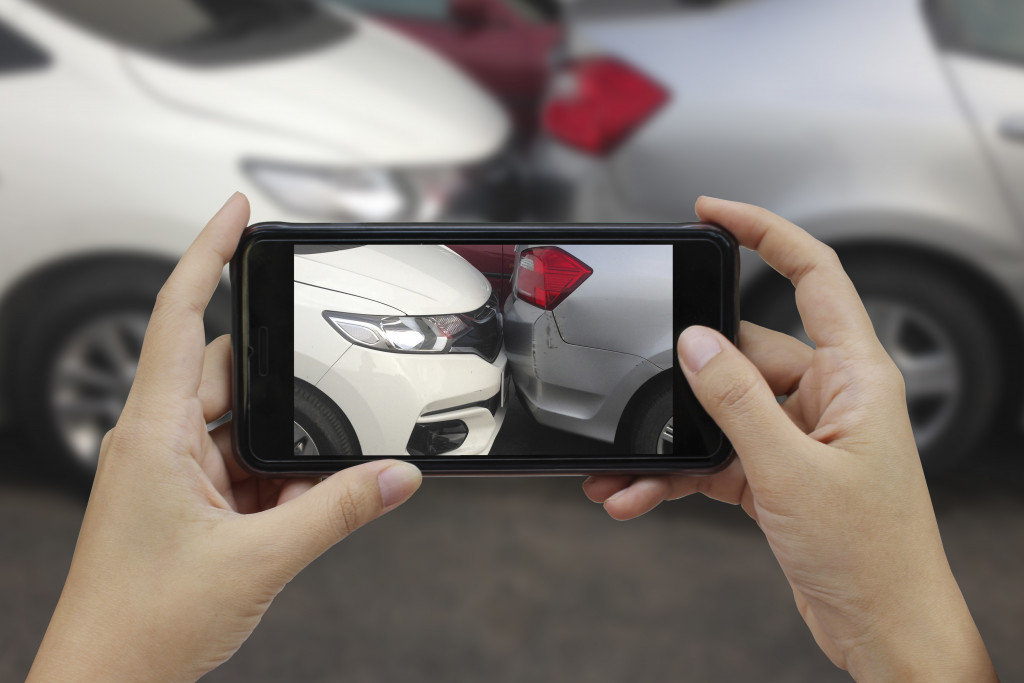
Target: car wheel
x=940 y=341
x=651 y=432
x=320 y=428
x=77 y=355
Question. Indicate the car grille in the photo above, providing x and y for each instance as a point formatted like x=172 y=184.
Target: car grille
x=484 y=336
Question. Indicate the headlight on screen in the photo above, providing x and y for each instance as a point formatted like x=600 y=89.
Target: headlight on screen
x=430 y=334
x=357 y=194
x=478 y=332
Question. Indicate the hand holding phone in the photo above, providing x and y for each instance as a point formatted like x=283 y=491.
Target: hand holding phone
x=181 y=551
x=831 y=475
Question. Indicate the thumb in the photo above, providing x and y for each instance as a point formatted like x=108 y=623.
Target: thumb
x=737 y=397
x=314 y=521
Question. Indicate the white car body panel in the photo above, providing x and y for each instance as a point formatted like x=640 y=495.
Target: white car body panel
x=415 y=279
x=376 y=97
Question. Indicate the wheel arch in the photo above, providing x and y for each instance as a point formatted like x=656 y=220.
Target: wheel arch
x=651 y=386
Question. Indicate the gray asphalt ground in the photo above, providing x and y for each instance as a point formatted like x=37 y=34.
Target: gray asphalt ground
x=516 y=579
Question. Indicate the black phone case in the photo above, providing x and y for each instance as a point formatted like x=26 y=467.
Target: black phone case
x=249 y=352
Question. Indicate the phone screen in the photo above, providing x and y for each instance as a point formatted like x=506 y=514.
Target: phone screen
x=541 y=351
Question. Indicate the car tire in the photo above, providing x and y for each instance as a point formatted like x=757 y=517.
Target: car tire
x=939 y=338
x=76 y=356
x=320 y=427
x=651 y=430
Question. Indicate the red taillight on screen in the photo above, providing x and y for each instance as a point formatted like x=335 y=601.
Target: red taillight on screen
x=546 y=275
x=603 y=101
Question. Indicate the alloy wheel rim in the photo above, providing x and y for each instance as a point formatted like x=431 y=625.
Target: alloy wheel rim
x=665 y=439
x=926 y=356
x=92 y=377
x=303 y=442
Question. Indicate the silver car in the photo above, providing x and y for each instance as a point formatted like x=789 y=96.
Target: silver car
x=591 y=348
x=892 y=129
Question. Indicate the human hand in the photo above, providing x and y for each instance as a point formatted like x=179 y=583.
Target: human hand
x=181 y=552
x=831 y=475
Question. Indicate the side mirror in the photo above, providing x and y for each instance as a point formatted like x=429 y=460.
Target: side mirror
x=469 y=14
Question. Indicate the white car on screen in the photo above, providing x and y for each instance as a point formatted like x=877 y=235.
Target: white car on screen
x=398 y=351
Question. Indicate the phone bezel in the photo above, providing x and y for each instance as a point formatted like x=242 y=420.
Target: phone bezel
x=246 y=324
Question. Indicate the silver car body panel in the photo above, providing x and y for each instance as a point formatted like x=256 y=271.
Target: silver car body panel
x=577 y=367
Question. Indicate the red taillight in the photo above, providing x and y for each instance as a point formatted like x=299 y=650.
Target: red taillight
x=605 y=102
x=547 y=275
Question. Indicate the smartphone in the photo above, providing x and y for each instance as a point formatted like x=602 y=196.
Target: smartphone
x=476 y=349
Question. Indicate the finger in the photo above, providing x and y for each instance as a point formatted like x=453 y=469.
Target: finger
x=312 y=522
x=645 y=493
x=173 y=349
x=739 y=399
x=830 y=308
x=781 y=359
x=215 y=386
x=599 y=488
x=642 y=495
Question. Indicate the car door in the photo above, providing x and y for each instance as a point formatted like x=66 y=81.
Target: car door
x=984 y=53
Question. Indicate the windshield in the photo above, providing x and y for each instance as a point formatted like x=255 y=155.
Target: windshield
x=205 y=30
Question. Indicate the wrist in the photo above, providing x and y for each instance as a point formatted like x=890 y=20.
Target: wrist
x=86 y=641
x=930 y=637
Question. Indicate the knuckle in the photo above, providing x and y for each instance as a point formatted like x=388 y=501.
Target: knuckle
x=345 y=513
x=828 y=255
x=734 y=392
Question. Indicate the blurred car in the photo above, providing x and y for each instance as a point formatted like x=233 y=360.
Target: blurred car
x=506 y=45
x=124 y=124
x=892 y=129
x=588 y=332
x=398 y=350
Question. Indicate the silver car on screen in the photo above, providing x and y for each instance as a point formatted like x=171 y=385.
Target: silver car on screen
x=588 y=333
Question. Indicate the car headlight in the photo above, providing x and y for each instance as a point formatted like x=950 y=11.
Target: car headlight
x=357 y=194
x=477 y=332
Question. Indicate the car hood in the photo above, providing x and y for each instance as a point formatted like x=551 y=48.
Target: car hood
x=376 y=97
x=417 y=279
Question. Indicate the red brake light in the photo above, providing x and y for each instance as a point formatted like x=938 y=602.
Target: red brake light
x=606 y=101
x=546 y=275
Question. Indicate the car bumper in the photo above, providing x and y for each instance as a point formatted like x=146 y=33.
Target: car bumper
x=574 y=388
x=385 y=395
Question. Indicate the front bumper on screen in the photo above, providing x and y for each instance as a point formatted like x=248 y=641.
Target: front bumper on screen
x=394 y=399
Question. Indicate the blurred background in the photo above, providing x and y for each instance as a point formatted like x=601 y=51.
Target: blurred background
x=892 y=129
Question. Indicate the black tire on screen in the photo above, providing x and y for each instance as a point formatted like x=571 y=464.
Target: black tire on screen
x=939 y=337
x=76 y=355
x=651 y=430
x=320 y=427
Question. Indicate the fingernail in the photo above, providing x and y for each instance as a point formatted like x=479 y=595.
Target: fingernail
x=232 y=198
x=398 y=482
x=698 y=345
x=615 y=496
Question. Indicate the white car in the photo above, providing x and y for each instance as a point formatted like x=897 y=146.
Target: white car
x=398 y=350
x=125 y=124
